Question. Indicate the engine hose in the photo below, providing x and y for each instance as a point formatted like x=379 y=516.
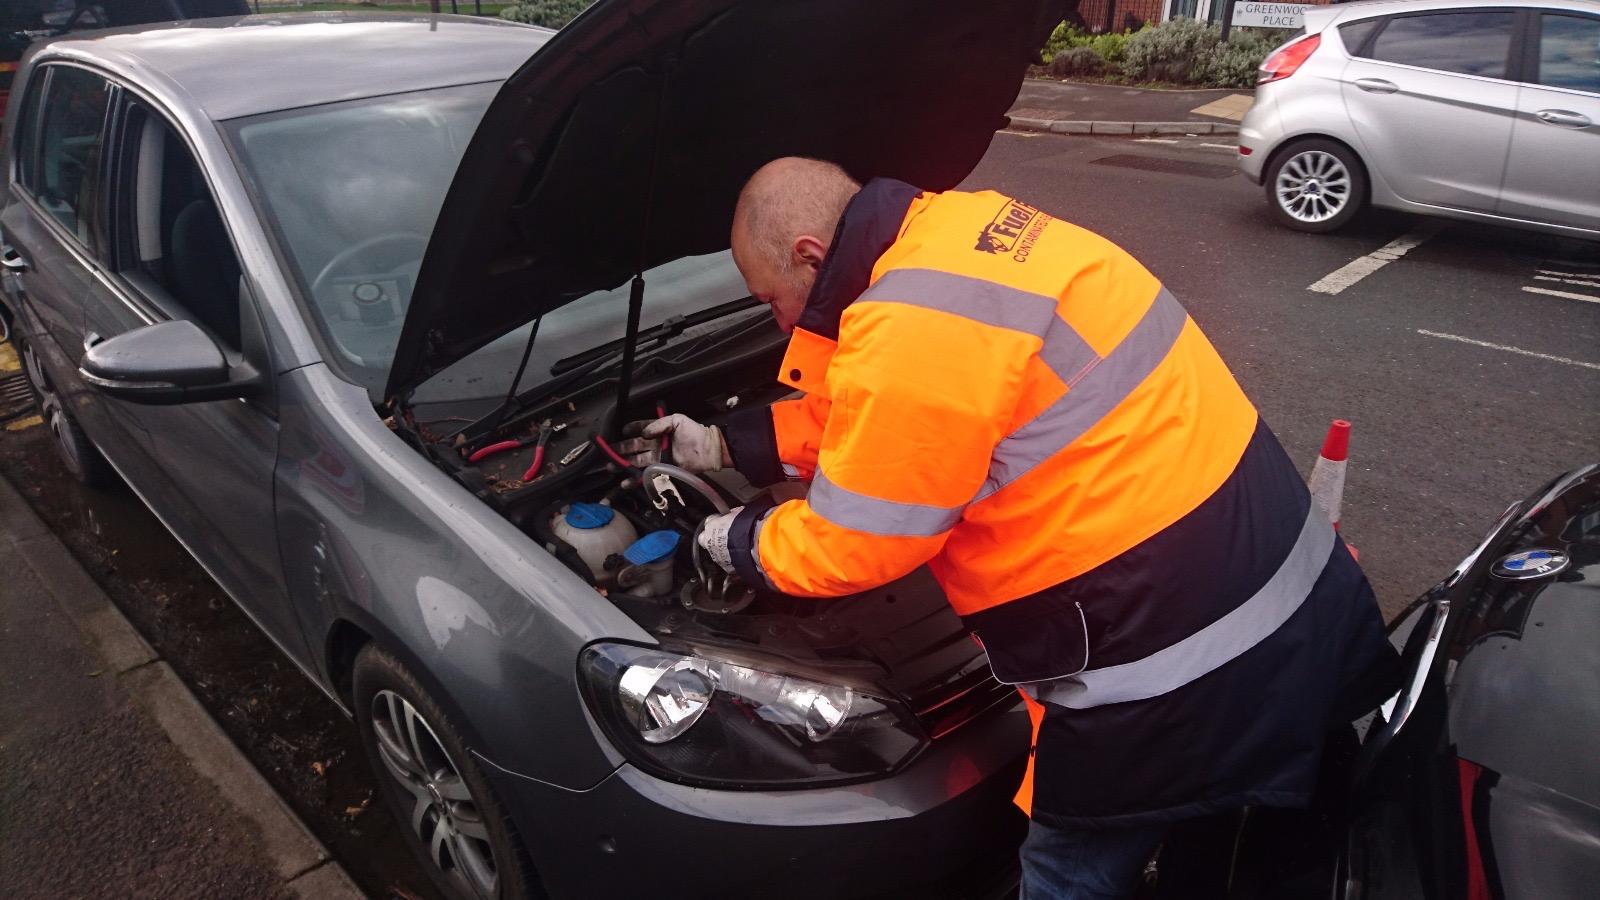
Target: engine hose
x=683 y=475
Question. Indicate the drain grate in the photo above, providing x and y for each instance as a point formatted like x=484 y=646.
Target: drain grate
x=16 y=399
x=1165 y=164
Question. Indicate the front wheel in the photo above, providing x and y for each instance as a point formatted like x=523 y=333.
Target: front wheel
x=77 y=453
x=1316 y=186
x=452 y=819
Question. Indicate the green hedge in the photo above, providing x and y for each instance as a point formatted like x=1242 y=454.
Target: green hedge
x=549 y=13
x=1179 y=51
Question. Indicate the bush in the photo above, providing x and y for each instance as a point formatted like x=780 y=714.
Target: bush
x=1077 y=61
x=1234 y=64
x=1182 y=51
x=548 y=13
x=1109 y=47
x=1177 y=50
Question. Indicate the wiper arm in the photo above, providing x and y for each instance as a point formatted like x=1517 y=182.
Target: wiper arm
x=670 y=328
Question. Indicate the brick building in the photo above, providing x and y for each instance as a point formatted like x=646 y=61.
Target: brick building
x=1118 y=15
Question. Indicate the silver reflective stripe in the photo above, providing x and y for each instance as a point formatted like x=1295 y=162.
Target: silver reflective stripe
x=1097 y=392
x=859 y=512
x=972 y=298
x=1212 y=646
x=1067 y=353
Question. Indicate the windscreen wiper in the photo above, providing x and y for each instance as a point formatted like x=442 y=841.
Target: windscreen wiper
x=670 y=328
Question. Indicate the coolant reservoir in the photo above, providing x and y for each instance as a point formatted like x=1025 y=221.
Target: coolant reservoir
x=596 y=532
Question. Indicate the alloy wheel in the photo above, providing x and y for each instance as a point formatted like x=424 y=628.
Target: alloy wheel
x=1313 y=186
x=444 y=815
x=51 y=410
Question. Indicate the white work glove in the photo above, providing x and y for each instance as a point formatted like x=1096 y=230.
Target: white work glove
x=713 y=538
x=696 y=447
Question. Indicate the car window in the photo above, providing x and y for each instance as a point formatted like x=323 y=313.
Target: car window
x=180 y=246
x=1569 y=52
x=1468 y=43
x=1355 y=34
x=67 y=182
x=25 y=140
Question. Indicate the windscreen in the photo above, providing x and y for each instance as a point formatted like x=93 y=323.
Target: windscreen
x=351 y=191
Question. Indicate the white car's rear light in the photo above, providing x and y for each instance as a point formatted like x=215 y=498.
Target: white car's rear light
x=1287 y=59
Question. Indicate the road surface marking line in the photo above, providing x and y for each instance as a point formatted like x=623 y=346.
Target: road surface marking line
x=1360 y=267
x=1567 y=282
x=1476 y=343
x=1590 y=277
x=1221 y=146
x=1155 y=140
x=1585 y=298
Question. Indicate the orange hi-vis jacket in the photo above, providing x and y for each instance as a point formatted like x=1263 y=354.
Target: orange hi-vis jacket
x=1017 y=403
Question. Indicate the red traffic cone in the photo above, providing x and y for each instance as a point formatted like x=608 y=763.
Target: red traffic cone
x=1327 y=476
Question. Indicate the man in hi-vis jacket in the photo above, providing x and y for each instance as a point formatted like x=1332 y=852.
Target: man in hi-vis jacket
x=1017 y=403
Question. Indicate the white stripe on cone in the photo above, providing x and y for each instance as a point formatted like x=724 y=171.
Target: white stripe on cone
x=1327 y=476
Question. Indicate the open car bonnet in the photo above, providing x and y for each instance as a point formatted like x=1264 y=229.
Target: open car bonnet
x=623 y=142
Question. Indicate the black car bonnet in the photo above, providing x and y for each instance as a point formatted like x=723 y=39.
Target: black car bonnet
x=623 y=143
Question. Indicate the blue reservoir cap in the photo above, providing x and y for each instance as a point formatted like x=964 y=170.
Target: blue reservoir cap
x=589 y=515
x=653 y=547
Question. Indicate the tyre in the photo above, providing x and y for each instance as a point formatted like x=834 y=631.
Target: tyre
x=77 y=453
x=1315 y=185
x=444 y=804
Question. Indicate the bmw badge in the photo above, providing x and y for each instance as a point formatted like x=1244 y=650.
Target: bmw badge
x=1531 y=564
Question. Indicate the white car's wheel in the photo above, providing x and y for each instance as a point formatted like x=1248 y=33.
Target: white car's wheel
x=1316 y=185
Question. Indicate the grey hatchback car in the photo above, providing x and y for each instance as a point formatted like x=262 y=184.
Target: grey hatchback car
x=1483 y=110
x=356 y=306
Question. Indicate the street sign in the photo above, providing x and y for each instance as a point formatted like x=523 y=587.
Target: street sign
x=1269 y=15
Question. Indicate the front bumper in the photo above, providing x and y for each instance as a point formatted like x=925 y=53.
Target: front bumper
x=943 y=827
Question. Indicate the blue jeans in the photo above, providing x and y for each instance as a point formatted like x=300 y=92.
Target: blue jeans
x=1063 y=864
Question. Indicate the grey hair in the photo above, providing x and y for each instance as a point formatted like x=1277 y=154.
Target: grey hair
x=791 y=196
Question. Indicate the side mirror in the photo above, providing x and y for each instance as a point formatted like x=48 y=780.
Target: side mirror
x=166 y=363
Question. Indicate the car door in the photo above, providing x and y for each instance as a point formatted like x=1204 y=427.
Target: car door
x=53 y=232
x=175 y=259
x=1553 y=173
x=1432 y=103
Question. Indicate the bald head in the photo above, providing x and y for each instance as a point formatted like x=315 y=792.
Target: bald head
x=782 y=227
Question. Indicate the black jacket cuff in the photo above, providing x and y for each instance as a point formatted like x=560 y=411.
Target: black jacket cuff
x=753 y=444
x=742 y=542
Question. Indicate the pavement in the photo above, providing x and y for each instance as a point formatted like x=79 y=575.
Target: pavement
x=113 y=780
x=1074 y=108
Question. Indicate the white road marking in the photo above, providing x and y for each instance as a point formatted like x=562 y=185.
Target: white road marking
x=1519 y=350
x=1221 y=146
x=1592 y=284
x=1155 y=140
x=1355 y=270
x=1568 y=295
x=1590 y=277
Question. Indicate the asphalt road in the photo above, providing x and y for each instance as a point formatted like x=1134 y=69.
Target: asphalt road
x=1446 y=433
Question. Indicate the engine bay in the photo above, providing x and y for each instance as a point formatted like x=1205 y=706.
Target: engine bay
x=630 y=533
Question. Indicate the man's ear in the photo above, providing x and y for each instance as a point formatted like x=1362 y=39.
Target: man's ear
x=809 y=251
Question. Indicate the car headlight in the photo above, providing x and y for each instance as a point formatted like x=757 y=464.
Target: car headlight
x=697 y=718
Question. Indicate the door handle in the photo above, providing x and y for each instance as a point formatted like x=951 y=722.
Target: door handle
x=90 y=339
x=1563 y=117
x=11 y=259
x=1377 y=85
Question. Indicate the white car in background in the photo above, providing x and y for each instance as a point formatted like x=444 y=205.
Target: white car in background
x=1485 y=110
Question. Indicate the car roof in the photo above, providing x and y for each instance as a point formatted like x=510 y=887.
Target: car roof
x=1366 y=8
x=243 y=65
